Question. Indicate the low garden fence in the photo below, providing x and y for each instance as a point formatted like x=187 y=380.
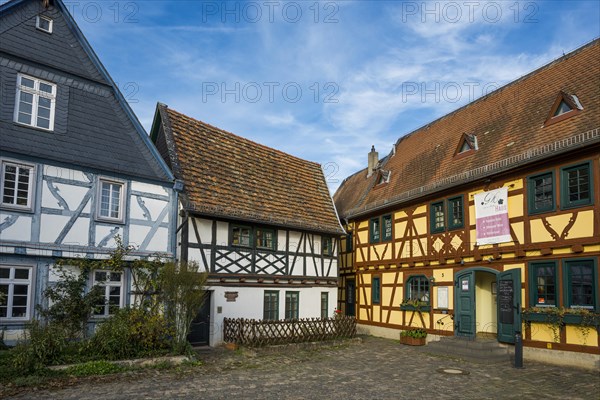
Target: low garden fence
x=256 y=333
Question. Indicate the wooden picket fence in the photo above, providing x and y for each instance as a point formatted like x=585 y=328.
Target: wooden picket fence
x=256 y=333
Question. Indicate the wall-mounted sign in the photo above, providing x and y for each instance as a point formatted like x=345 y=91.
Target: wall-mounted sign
x=442 y=297
x=491 y=217
x=231 y=296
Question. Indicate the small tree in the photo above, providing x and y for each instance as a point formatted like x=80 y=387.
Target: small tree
x=183 y=294
x=71 y=305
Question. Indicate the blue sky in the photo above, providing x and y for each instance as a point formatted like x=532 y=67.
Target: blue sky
x=325 y=80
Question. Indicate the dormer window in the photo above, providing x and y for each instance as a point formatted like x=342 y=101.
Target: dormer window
x=562 y=108
x=467 y=145
x=565 y=106
x=44 y=23
x=384 y=177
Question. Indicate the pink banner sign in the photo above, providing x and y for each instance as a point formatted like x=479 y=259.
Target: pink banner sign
x=491 y=217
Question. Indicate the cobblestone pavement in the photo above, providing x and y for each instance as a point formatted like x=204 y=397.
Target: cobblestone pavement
x=371 y=368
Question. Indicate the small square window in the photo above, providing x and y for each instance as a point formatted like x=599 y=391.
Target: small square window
x=455 y=213
x=271 y=305
x=543 y=284
x=44 y=23
x=540 y=193
x=418 y=289
x=375 y=229
x=265 y=238
x=327 y=246
x=240 y=235
x=17 y=184
x=576 y=186
x=35 y=103
x=581 y=284
x=15 y=292
x=376 y=290
x=292 y=302
x=111 y=200
x=386 y=222
x=438 y=219
x=111 y=284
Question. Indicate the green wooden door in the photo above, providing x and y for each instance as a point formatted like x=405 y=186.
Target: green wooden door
x=509 y=305
x=464 y=318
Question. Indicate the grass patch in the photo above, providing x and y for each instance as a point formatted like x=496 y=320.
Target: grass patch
x=94 y=368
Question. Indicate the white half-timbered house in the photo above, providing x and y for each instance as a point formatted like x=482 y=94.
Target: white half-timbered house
x=261 y=222
x=77 y=168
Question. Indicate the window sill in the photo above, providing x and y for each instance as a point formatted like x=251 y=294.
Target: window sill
x=6 y=207
x=37 y=128
x=109 y=221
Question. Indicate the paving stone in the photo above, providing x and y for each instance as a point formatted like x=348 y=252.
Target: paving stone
x=367 y=369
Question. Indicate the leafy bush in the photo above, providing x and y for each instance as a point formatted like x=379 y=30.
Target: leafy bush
x=71 y=305
x=131 y=333
x=415 y=333
x=43 y=344
x=94 y=368
x=182 y=293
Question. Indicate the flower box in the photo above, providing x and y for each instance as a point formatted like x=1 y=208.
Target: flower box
x=411 y=341
x=410 y=307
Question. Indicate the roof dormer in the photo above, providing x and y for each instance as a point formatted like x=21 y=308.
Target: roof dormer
x=565 y=106
x=467 y=145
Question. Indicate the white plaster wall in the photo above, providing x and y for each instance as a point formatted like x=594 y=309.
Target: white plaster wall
x=296 y=268
x=71 y=194
x=51 y=226
x=148 y=188
x=79 y=232
x=160 y=241
x=154 y=206
x=137 y=234
x=281 y=243
x=294 y=241
x=222 y=233
x=20 y=230
x=249 y=304
x=65 y=173
x=103 y=230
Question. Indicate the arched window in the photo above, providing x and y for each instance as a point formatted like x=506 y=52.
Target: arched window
x=417 y=289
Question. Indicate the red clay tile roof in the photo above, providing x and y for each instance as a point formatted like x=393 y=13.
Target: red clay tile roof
x=510 y=131
x=228 y=176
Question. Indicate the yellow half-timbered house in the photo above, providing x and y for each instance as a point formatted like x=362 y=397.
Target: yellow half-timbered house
x=485 y=222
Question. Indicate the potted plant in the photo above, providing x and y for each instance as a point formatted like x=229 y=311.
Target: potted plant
x=414 y=337
x=415 y=305
x=557 y=317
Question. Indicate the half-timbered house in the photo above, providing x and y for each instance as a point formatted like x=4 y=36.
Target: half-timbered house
x=77 y=168
x=259 y=221
x=483 y=214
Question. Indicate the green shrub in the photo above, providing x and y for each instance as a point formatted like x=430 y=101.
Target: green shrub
x=417 y=333
x=130 y=333
x=94 y=368
x=43 y=345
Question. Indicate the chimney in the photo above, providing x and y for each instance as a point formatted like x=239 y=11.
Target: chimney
x=373 y=161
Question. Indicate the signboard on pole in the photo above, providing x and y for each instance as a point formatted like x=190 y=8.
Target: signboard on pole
x=491 y=217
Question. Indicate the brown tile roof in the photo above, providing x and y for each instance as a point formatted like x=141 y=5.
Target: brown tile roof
x=509 y=125
x=228 y=176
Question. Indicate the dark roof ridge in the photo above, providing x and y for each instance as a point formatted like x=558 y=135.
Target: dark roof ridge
x=241 y=137
x=562 y=58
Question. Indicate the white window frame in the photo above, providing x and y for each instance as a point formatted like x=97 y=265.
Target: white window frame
x=36 y=93
x=11 y=281
x=47 y=19
x=106 y=285
x=99 y=216
x=30 y=189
